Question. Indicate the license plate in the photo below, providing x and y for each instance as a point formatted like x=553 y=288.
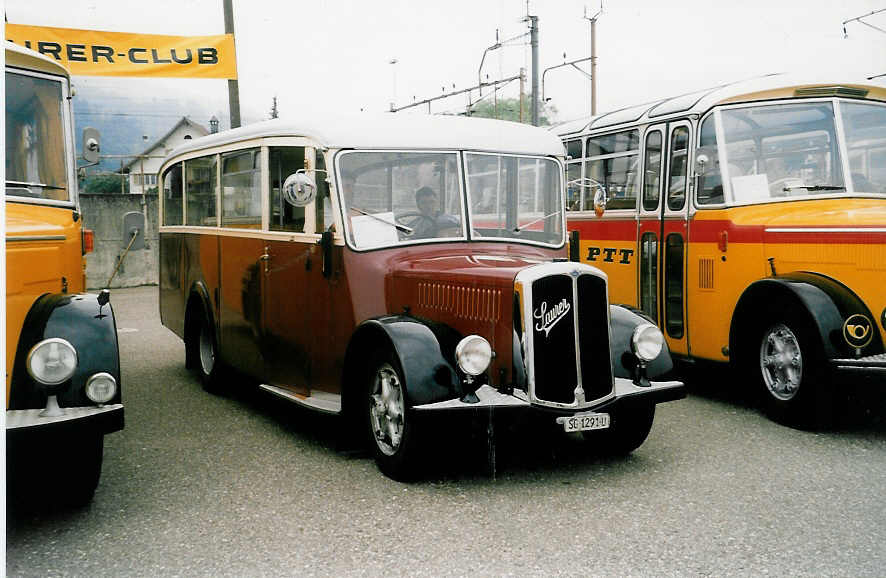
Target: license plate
x=584 y=422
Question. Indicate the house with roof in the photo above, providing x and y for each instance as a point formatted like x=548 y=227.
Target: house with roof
x=143 y=168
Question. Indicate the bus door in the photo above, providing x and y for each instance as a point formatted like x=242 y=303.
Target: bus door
x=298 y=343
x=287 y=268
x=662 y=230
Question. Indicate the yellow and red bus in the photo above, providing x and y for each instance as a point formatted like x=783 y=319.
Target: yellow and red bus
x=749 y=222
x=62 y=361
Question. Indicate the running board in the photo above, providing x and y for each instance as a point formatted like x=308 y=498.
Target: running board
x=318 y=400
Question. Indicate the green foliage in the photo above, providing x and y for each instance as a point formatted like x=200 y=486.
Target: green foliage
x=509 y=109
x=107 y=183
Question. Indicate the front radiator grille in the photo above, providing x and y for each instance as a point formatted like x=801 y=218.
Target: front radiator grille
x=568 y=337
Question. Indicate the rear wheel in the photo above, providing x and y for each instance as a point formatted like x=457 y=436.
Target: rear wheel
x=202 y=352
x=790 y=374
x=629 y=427
x=389 y=425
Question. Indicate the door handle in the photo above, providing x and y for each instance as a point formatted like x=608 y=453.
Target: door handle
x=265 y=257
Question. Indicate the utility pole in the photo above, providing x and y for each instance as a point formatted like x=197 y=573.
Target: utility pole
x=593 y=21
x=522 y=90
x=533 y=41
x=233 y=86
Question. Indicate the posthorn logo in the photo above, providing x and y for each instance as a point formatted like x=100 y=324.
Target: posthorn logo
x=858 y=330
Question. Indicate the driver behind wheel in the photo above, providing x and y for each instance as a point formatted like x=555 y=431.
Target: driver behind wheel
x=432 y=222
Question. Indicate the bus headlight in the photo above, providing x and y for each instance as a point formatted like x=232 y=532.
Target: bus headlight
x=101 y=387
x=52 y=361
x=647 y=342
x=473 y=354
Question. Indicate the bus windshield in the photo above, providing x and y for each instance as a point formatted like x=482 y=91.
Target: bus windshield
x=393 y=198
x=35 y=138
x=794 y=150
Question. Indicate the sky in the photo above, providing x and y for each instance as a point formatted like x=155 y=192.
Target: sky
x=326 y=56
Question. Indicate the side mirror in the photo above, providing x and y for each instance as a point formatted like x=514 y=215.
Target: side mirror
x=702 y=161
x=91 y=145
x=600 y=202
x=299 y=189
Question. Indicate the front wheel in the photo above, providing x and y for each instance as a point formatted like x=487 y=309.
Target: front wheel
x=389 y=424
x=791 y=375
x=629 y=428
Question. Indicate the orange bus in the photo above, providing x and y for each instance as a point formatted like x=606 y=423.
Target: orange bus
x=749 y=222
x=62 y=362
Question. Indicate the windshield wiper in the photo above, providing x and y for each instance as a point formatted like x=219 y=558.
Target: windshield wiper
x=524 y=225
x=28 y=185
x=398 y=226
x=815 y=188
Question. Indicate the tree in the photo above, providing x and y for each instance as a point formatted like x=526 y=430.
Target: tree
x=509 y=109
x=107 y=183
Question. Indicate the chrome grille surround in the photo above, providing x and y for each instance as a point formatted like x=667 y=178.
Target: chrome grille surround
x=525 y=284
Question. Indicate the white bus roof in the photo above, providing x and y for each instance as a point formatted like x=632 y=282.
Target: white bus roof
x=20 y=57
x=762 y=88
x=394 y=131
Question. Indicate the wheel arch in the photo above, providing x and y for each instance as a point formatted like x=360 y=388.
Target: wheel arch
x=428 y=376
x=198 y=303
x=823 y=303
x=87 y=325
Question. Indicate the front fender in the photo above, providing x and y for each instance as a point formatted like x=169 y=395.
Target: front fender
x=826 y=303
x=90 y=328
x=622 y=322
x=429 y=377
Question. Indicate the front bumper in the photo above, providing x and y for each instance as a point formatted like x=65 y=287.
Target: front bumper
x=657 y=392
x=21 y=423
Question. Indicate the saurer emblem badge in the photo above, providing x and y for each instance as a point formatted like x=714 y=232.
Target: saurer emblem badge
x=547 y=318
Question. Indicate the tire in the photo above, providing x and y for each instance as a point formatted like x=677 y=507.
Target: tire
x=390 y=425
x=790 y=374
x=84 y=465
x=628 y=429
x=202 y=351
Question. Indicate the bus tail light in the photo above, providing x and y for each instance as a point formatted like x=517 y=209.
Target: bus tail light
x=88 y=241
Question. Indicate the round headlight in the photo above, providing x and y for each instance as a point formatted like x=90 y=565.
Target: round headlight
x=647 y=342
x=473 y=354
x=101 y=387
x=52 y=361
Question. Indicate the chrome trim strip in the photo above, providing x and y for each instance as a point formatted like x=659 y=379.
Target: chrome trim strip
x=825 y=229
x=25 y=418
x=318 y=400
x=24 y=238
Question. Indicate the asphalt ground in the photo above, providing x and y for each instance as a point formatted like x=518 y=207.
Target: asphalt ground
x=248 y=485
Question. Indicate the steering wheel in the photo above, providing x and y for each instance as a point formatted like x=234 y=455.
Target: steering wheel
x=412 y=219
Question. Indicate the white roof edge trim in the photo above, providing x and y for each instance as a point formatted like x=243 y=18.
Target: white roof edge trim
x=395 y=131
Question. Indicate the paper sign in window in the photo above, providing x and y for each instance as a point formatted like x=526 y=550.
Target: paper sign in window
x=375 y=230
x=750 y=188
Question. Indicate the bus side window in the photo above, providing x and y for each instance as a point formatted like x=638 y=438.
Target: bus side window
x=284 y=162
x=241 y=189
x=172 y=195
x=613 y=161
x=710 y=185
x=200 y=191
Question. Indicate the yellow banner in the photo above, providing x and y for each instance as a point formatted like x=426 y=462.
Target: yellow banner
x=99 y=53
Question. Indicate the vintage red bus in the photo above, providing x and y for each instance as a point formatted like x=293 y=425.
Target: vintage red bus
x=62 y=362
x=748 y=221
x=383 y=267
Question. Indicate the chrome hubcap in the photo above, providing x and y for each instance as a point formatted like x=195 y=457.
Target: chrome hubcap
x=386 y=409
x=207 y=351
x=781 y=362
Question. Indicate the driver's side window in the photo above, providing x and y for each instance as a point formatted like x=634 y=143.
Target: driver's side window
x=285 y=161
